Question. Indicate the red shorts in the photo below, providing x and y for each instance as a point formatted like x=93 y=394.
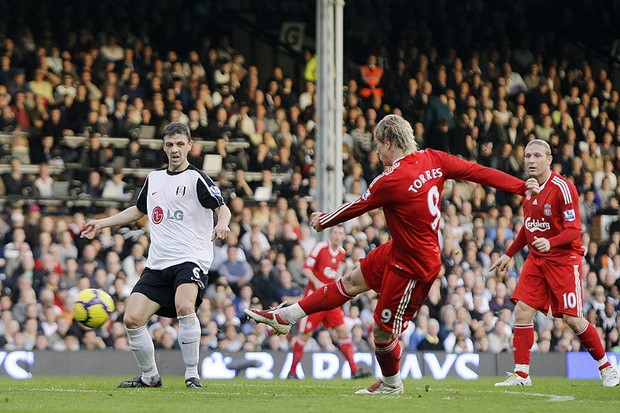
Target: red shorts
x=400 y=296
x=330 y=319
x=544 y=285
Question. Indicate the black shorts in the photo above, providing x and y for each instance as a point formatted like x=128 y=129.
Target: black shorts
x=160 y=286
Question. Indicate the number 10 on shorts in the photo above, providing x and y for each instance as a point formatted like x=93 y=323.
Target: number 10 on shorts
x=570 y=300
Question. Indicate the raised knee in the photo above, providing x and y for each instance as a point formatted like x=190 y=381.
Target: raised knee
x=184 y=309
x=132 y=322
x=382 y=336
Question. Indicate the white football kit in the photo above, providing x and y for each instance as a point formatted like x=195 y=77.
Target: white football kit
x=180 y=207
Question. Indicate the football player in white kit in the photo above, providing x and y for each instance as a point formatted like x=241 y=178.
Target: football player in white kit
x=179 y=201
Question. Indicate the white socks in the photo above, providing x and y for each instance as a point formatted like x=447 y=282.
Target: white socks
x=189 y=342
x=394 y=381
x=141 y=345
x=602 y=361
x=525 y=368
x=292 y=313
x=143 y=349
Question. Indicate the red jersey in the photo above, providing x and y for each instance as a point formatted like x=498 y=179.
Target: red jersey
x=325 y=263
x=554 y=209
x=410 y=194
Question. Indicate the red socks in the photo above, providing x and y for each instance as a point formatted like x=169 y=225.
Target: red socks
x=298 y=353
x=346 y=347
x=388 y=357
x=328 y=297
x=591 y=341
x=522 y=342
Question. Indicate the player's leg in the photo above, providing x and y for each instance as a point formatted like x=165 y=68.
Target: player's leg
x=400 y=299
x=298 y=349
x=346 y=348
x=530 y=295
x=138 y=311
x=522 y=342
x=363 y=278
x=367 y=276
x=189 y=280
x=565 y=282
x=567 y=301
x=591 y=341
x=328 y=297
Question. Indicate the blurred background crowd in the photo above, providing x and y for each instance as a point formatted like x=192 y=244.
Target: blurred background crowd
x=84 y=90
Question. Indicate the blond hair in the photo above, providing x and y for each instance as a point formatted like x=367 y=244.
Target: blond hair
x=541 y=143
x=397 y=131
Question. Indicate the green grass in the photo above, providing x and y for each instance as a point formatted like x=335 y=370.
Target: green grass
x=99 y=394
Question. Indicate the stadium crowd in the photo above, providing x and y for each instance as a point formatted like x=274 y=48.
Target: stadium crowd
x=481 y=103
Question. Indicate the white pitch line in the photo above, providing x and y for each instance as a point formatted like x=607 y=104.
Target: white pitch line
x=552 y=397
x=56 y=390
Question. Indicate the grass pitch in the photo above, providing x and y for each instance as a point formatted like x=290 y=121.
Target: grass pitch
x=99 y=394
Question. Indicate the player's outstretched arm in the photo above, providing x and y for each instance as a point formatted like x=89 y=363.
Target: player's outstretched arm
x=501 y=263
x=92 y=228
x=457 y=168
x=515 y=247
x=221 y=229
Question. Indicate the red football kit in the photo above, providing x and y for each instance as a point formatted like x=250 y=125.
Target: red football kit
x=552 y=279
x=326 y=265
x=403 y=269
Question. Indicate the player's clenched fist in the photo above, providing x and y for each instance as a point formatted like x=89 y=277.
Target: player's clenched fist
x=314 y=221
x=91 y=230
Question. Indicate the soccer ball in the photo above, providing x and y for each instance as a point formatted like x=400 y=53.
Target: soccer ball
x=93 y=307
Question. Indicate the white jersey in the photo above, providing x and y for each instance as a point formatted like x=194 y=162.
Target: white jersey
x=180 y=207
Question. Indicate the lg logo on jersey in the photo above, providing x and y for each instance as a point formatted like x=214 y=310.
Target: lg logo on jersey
x=158 y=215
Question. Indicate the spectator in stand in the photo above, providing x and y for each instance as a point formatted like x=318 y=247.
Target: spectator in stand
x=44 y=182
x=41 y=86
x=94 y=187
x=431 y=342
x=371 y=77
x=310 y=67
x=94 y=154
x=237 y=272
x=263 y=283
x=219 y=127
x=16 y=182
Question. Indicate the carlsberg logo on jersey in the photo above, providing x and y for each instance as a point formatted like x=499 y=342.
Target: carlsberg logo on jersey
x=158 y=215
x=534 y=225
x=425 y=177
